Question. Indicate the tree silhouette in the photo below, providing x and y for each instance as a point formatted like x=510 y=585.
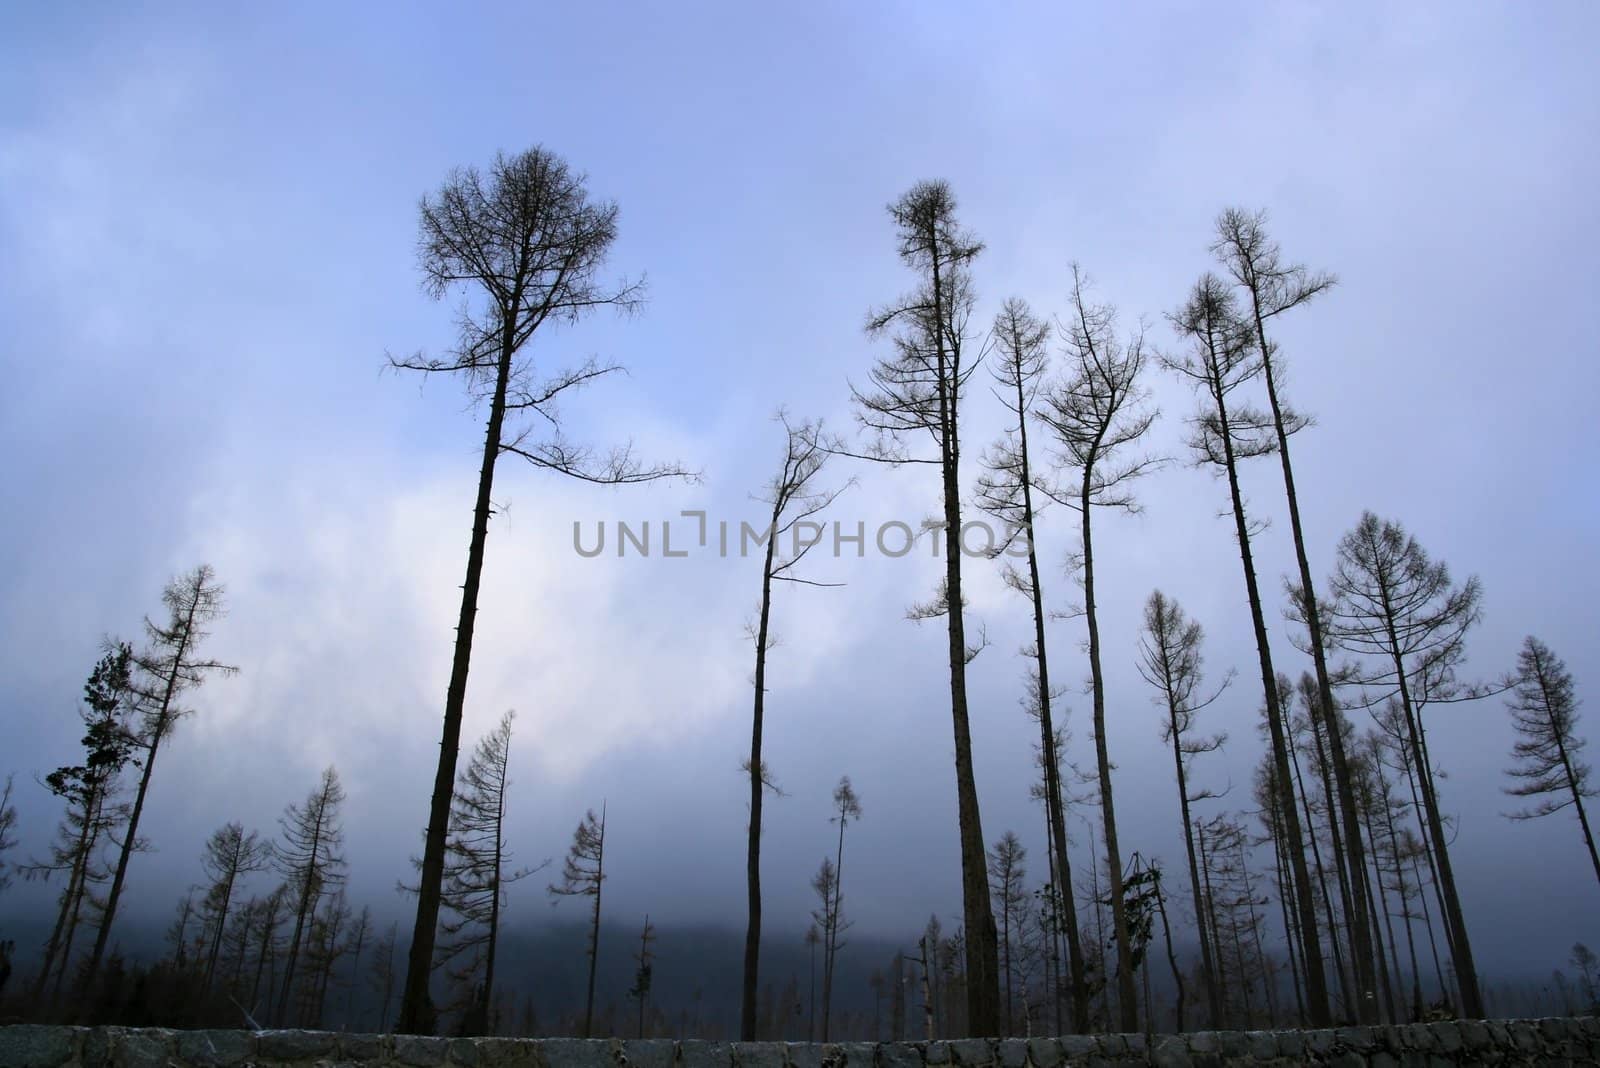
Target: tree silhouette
x=1096 y=412
x=528 y=243
x=914 y=396
x=164 y=671
x=1544 y=711
x=582 y=876
x=1006 y=491
x=309 y=859
x=794 y=498
x=1223 y=357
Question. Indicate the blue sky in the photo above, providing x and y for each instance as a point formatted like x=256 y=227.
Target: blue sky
x=207 y=230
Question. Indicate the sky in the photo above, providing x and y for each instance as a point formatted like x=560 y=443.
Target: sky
x=207 y=248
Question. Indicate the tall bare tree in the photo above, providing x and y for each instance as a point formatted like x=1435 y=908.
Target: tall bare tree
x=524 y=244
x=1398 y=612
x=795 y=498
x=1007 y=871
x=582 y=876
x=1019 y=363
x=1222 y=357
x=829 y=923
x=231 y=853
x=92 y=813
x=165 y=670
x=1097 y=412
x=1170 y=660
x=846 y=807
x=476 y=874
x=915 y=394
x=643 y=975
x=1544 y=711
x=1255 y=263
x=310 y=861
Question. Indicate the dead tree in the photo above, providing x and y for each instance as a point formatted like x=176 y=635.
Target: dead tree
x=1096 y=412
x=92 y=814
x=1399 y=614
x=829 y=922
x=915 y=394
x=164 y=671
x=846 y=807
x=312 y=866
x=644 y=973
x=477 y=875
x=1222 y=357
x=1544 y=711
x=231 y=853
x=794 y=498
x=1171 y=661
x=1006 y=491
x=524 y=246
x=1007 y=870
x=1273 y=287
x=582 y=876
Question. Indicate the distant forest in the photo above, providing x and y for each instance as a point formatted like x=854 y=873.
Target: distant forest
x=1322 y=892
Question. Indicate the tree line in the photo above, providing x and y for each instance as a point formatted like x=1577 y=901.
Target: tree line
x=1329 y=895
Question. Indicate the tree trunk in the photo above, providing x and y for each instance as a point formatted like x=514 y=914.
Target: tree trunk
x=416 y=1005
x=1360 y=936
x=1062 y=863
x=1455 y=922
x=982 y=956
x=1127 y=994
x=752 y=933
x=1208 y=968
x=1294 y=846
x=130 y=840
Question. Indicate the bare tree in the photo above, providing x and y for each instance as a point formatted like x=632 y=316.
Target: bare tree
x=914 y=397
x=528 y=242
x=230 y=853
x=1255 y=263
x=476 y=875
x=1223 y=356
x=582 y=876
x=643 y=975
x=91 y=814
x=164 y=671
x=846 y=807
x=1171 y=661
x=1097 y=412
x=1544 y=711
x=311 y=864
x=1399 y=614
x=1006 y=491
x=794 y=498
x=1007 y=871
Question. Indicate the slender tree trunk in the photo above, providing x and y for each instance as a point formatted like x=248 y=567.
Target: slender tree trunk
x=1206 y=915
x=1286 y=906
x=982 y=957
x=594 y=928
x=1061 y=863
x=1127 y=994
x=416 y=1006
x=131 y=838
x=1360 y=936
x=309 y=891
x=1455 y=922
x=1294 y=846
x=216 y=939
x=752 y=933
x=831 y=943
x=1577 y=798
x=1208 y=968
x=1321 y=872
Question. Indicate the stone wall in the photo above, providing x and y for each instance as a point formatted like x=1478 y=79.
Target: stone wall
x=1517 y=1042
